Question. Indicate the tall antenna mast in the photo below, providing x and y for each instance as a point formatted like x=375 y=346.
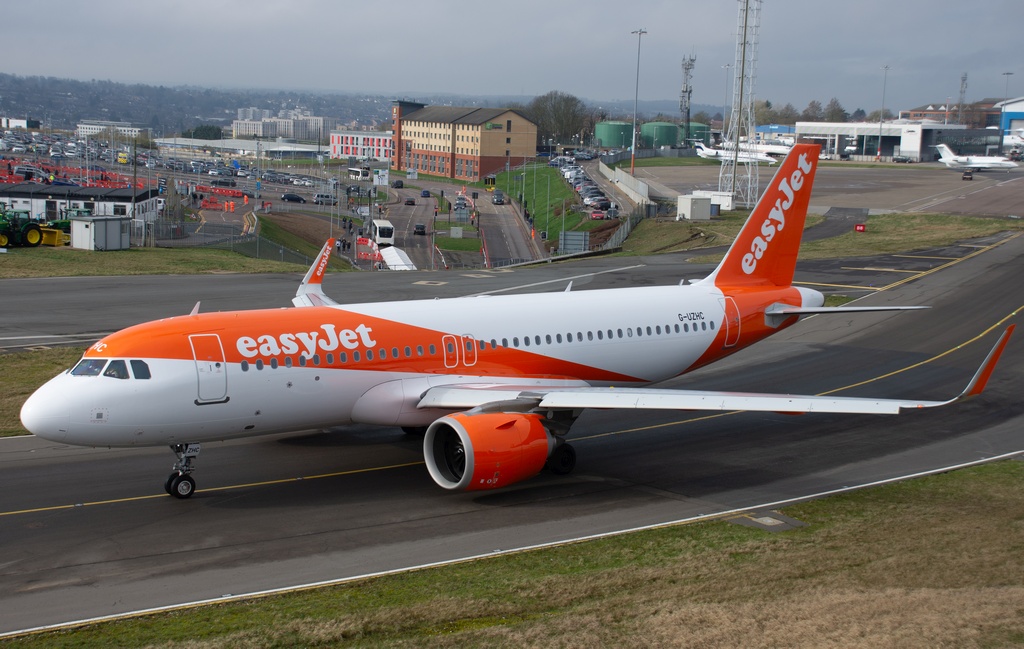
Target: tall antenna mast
x=963 y=97
x=684 y=97
x=737 y=177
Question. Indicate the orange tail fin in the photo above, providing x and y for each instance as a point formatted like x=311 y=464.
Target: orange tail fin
x=765 y=250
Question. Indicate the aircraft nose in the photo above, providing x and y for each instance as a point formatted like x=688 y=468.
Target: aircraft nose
x=46 y=416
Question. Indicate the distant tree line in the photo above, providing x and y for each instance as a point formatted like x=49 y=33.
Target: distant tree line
x=204 y=132
x=560 y=116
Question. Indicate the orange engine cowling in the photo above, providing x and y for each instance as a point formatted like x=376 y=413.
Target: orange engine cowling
x=486 y=451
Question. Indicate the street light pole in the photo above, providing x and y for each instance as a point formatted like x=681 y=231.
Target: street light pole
x=881 y=113
x=725 y=104
x=636 y=96
x=1006 y=98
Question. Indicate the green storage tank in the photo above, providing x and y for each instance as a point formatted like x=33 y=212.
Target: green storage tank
x=655 y=135
x=613 y=135
x=698 y=131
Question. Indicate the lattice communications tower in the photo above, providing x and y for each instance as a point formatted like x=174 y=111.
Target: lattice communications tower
x=737 y=177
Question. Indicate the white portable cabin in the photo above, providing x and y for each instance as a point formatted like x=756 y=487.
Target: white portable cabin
x=693 y=208
x=100 y=232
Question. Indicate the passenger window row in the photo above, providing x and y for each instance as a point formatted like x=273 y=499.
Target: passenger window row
x=602 y=334
x=343 y=358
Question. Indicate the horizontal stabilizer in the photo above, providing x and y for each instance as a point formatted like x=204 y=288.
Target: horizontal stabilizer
x=800 y=310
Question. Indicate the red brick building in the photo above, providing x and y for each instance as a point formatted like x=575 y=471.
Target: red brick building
x=459 y=143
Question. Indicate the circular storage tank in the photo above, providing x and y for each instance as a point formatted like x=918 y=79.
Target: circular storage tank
x=698 y=131
x=613 y=135
x=655 y=135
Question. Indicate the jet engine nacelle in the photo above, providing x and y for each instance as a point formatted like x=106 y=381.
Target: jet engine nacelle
x=486 y=451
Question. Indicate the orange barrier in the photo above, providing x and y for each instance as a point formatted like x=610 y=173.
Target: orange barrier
x=222 y=191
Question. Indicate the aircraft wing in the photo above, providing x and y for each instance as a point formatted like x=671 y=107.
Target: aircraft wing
x=310 y=292
x=499 y=397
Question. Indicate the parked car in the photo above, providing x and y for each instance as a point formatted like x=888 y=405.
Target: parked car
x=419 y=228
x=597 y=215
x=968 y=175
x=292 y=198
x=902 y=158
x=410 y=201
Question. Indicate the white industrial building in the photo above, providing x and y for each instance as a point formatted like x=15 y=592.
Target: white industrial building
x=90 y=127
x=859 y=140
x=49 y=202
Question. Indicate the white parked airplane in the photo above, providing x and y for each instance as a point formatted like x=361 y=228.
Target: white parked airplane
x=1014 y=139
x=724 y=156
x=494 y=386
x=974 y=162
x=779 y=147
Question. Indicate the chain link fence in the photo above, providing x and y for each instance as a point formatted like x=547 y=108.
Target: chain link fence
x=168 y=233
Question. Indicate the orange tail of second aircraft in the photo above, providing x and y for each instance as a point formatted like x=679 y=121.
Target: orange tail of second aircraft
x=764 y=253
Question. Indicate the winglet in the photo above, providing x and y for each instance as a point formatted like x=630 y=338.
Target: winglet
x=310 y=291
x=981 y=377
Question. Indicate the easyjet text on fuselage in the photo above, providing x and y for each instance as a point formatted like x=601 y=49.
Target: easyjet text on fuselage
x=327 y=339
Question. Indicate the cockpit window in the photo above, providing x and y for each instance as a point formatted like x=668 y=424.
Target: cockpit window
x=140 y=369
x=116 y=370
x=89 y=367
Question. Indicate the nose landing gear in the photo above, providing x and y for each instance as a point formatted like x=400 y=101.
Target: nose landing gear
x=180 y=484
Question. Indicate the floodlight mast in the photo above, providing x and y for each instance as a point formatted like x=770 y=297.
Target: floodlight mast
x=636 y=95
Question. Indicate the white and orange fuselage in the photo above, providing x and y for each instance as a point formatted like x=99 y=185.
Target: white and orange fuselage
x=223 y=375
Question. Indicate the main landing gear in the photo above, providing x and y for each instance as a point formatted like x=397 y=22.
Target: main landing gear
x=562 y=460
x=180 y=484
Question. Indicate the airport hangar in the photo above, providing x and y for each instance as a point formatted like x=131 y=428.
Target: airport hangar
x=912 y=139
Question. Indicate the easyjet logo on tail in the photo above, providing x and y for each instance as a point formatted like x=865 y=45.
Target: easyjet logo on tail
x=322 y=265
x=776 y=219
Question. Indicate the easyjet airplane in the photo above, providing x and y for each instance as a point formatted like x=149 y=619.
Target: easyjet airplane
x=495 y=387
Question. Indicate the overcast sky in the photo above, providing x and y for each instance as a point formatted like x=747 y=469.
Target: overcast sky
x=809 y=49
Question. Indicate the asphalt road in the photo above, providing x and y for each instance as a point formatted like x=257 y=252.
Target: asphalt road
x=87 y=532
